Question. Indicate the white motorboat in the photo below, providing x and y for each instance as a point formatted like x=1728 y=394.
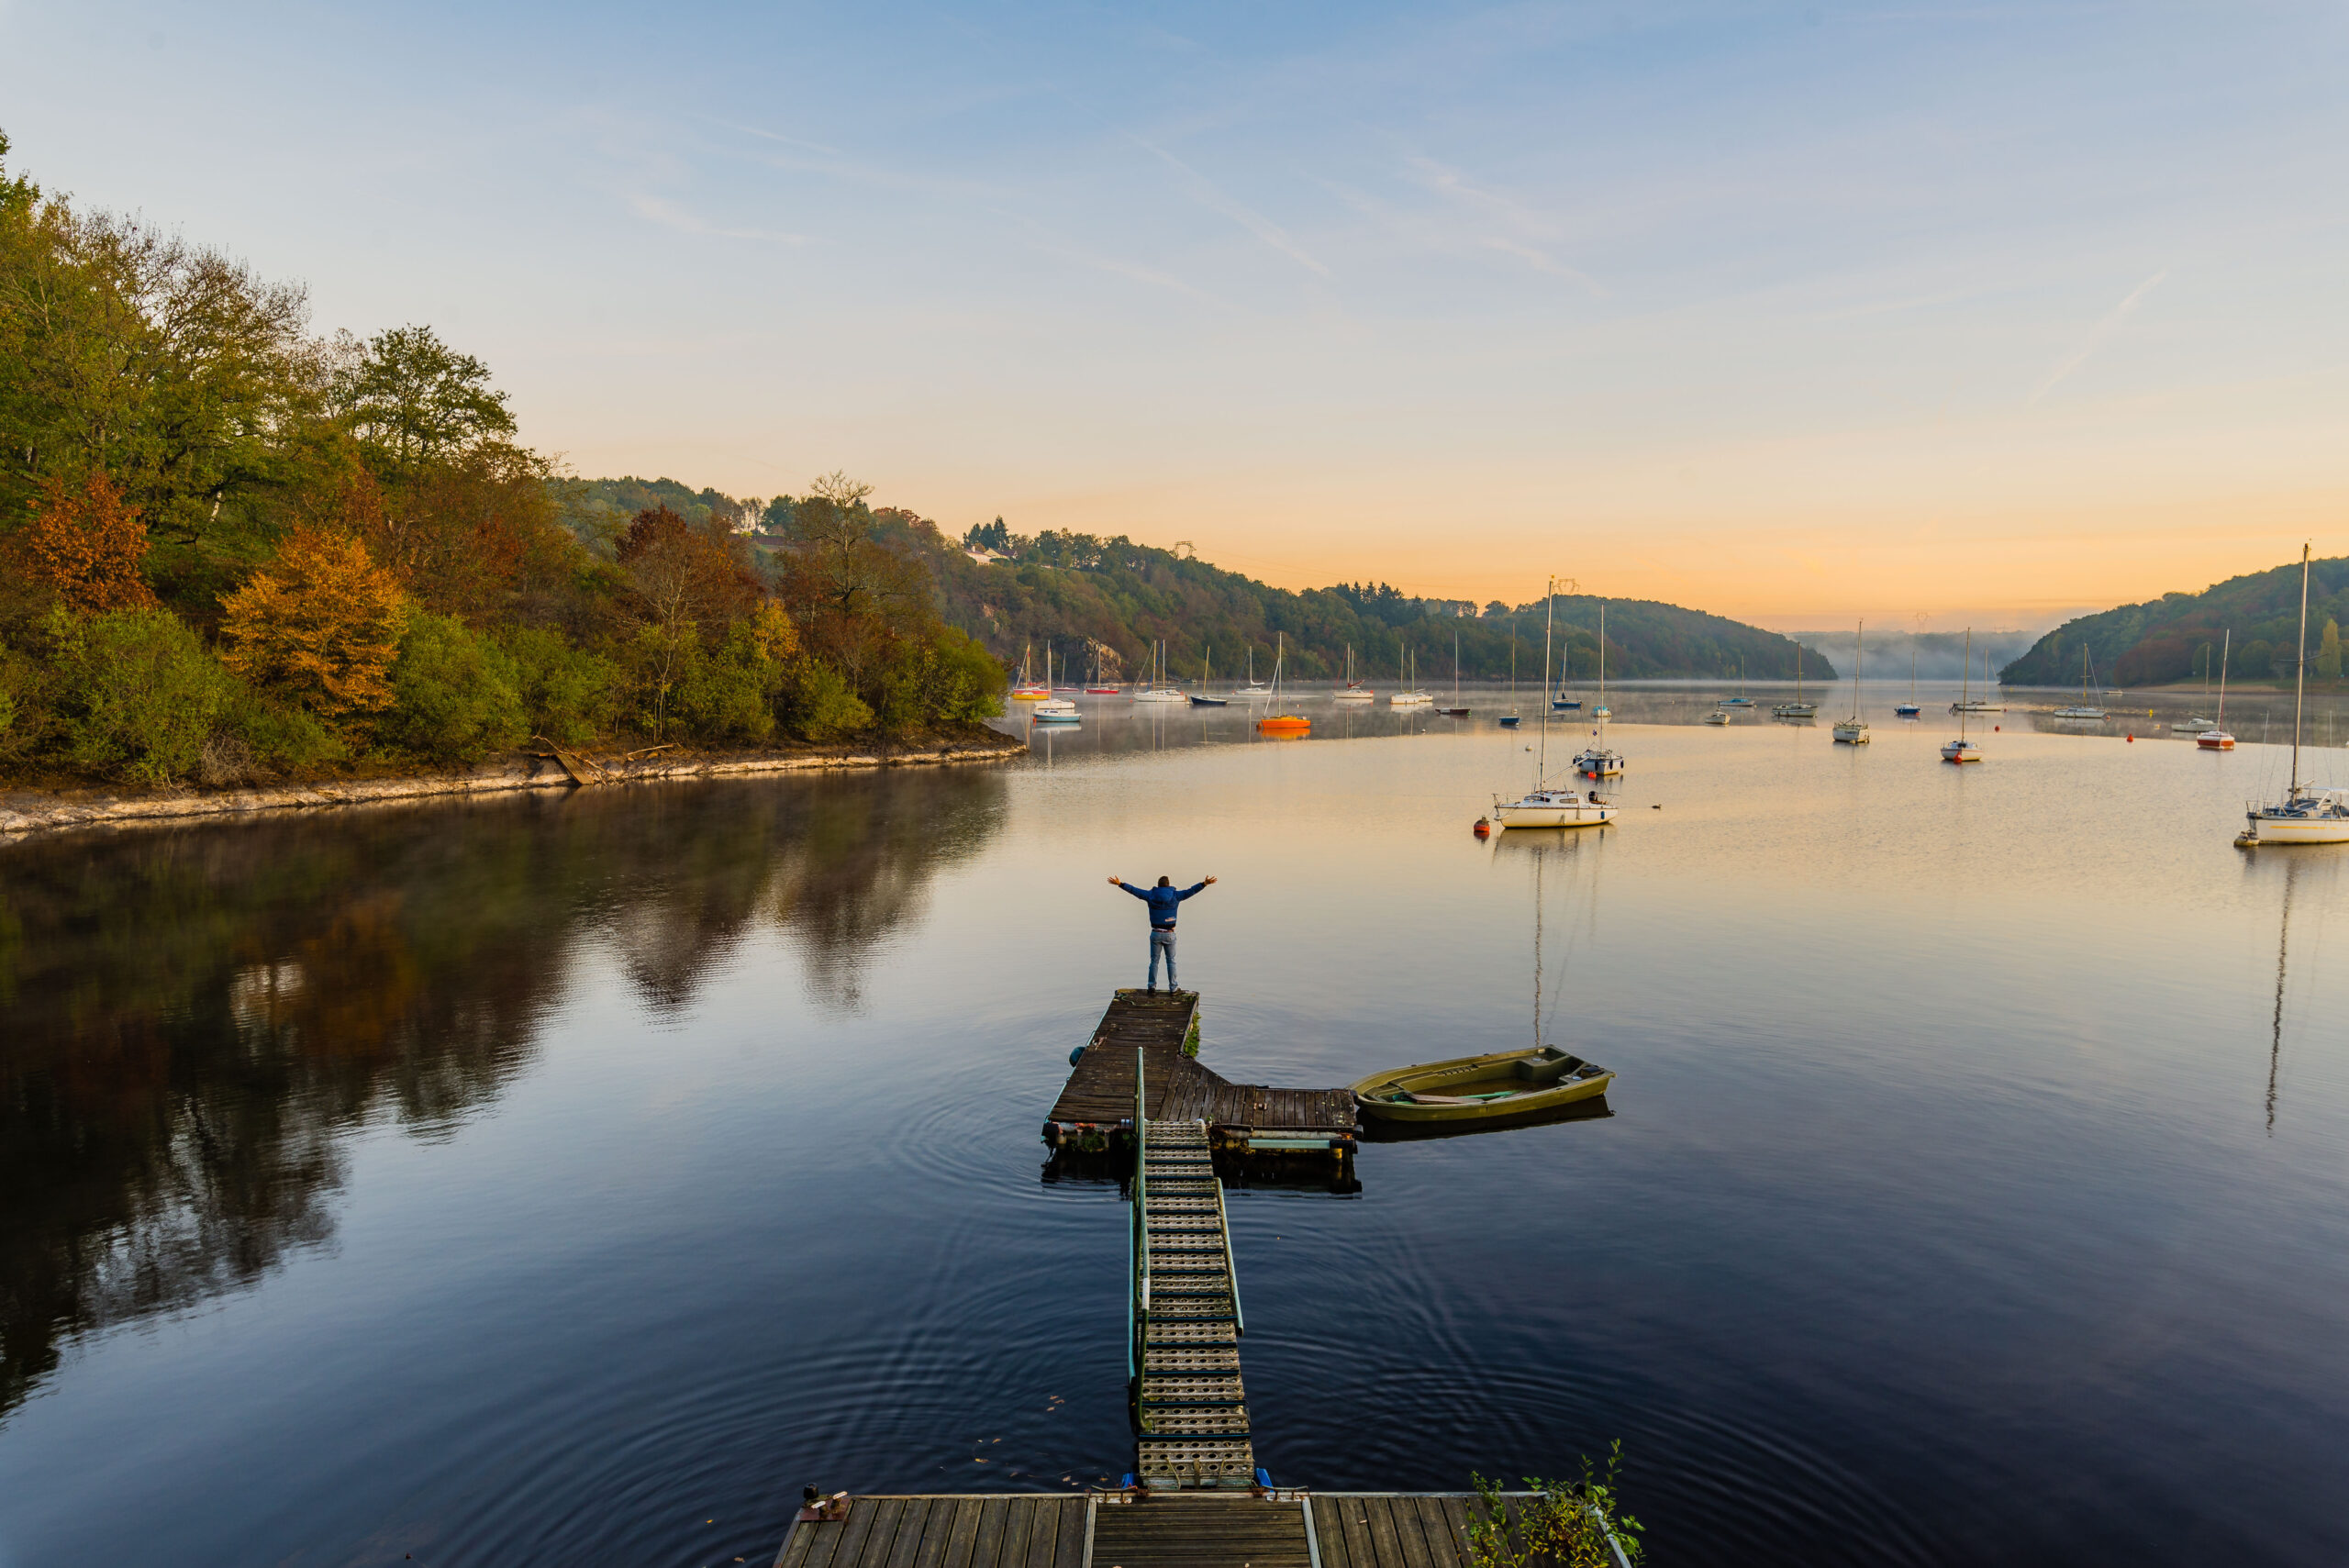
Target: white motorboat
x=2307 y=814
x=1718 y=716
x=1854 y=732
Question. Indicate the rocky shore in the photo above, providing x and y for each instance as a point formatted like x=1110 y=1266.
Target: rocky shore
x=24 y=812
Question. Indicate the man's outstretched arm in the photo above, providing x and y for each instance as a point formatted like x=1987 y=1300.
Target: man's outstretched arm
x=1129 y=887
x=1196 y=887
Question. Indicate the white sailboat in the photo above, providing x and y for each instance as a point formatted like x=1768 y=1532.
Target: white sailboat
x=1254 y=689
x=1353 y=690
x=1597 y=760
x=2083 y=708
x=1740 y=700
x=1156 y=689
x=2216 y=738
x=1410 y=696
x=1543 y=806
x=1972 y=704
x=2195 y=723
x=1798 y=709
x=1052 y=709
x=1909 y=708
x=1854 y=732
x=1962 y=749
x=2306 y=815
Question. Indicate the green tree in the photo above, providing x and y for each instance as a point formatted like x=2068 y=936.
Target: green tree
x=412 y=400
x=2327 y=662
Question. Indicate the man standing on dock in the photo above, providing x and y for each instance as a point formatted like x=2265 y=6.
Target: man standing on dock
x=1162 y=900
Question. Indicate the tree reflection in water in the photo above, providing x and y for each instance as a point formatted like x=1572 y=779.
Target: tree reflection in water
x=195 y=1018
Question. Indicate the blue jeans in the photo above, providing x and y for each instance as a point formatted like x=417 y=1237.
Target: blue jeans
x=1162 y=942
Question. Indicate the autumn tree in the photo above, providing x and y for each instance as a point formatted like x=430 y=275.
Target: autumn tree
x=686 y=582
x=87 y=547
x=852 y=592
x=320 y=624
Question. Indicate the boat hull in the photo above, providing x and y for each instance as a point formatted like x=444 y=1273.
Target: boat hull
x=1587 y=815
x=1197 y=701
x=2215 y=740
x=1852 y=734
x=1459 y=1084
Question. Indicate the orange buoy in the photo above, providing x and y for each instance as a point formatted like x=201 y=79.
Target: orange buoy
x=1482 y=827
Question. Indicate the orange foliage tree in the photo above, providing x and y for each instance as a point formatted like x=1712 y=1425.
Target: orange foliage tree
x=320 y=624
x=87 y=547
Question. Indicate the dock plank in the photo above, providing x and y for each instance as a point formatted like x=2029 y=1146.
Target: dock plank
x=1387 y=1549
x=1408 y=1531
x=989 y=1545
x=1329 y=1533
x=965 y=1534
x=911 y=1524
x=1444 y=1546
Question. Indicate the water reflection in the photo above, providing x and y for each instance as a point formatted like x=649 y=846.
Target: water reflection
x=196 y=1019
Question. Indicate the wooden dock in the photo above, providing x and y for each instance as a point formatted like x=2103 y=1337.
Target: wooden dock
x=1184 y=1321
x=1265 y=1529
x=1096 y=1108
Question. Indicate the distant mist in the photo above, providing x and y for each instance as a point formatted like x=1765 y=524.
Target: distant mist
x=1941 y=655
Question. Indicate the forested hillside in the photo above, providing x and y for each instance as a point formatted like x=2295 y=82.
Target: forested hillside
x=2176 y=636
x=232 y=550
x=1088 y=597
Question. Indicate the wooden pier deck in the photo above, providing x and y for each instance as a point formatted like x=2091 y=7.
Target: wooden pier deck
x=1119 y=1530
x=1096 y=1105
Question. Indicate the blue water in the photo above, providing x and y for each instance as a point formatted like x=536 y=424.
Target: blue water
x=571 y=1179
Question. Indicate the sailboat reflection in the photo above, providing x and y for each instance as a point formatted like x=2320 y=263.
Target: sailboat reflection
x=1493 y=1089
x=2275 y=1021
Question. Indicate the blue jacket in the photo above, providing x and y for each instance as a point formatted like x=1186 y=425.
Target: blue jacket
x=1162 y=901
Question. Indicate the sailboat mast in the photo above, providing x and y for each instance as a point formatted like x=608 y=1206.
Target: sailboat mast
x=1549 y=618
x=2301 y=674
x=1859 y=653
x=1965 y=683
x=2225 y=648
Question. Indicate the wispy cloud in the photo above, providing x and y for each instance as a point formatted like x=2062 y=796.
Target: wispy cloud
x=669 y=214
x=1528 y=223
x=1215 y=199
x=2096 y=338
x=777 y=136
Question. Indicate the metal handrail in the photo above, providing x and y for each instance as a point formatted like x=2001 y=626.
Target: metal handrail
x=1230 y=1268
x=1138 y=1306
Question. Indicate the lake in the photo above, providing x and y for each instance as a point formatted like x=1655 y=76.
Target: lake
x=569 y=1178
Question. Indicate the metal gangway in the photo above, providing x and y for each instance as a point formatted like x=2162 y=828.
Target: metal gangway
x=1184 y=1322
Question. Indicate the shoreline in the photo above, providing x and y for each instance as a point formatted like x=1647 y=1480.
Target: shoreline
x=26 y=814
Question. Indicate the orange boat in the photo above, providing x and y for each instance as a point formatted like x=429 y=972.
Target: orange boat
x=1281 y=723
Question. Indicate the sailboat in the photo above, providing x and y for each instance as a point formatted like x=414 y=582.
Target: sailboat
x=1797 y=708
x=1353 y=690
x=1977 y=705
x=1740 y=700
x=1854 y=732
x=1512 y=719
x=1101 y=688
x=2306 y=815
x=1275 y=722
x=1156 y=689
x=1962 y=749
x=1051 y=710
x=1455 y=710
x=1254 y=689
x=1027 y=690
x=2083 y=708
x=1410 y=696
x=1909 y=708
x=1542 y=807
x=1199 y=698
x=1597 y=760
x=2216 y=738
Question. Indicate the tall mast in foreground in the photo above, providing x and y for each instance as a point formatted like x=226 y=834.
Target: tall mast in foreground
x=2299 y=675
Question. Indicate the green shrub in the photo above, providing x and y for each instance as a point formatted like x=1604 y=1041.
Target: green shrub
x=568 y=693
x=815 y=703
x=729 y=693
x=138 y=693
x=279 y=738
x=942 y=678
x=453 y=694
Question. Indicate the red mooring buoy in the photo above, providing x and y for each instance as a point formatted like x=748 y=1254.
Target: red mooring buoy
x=1483 y=827
x=2132 y=738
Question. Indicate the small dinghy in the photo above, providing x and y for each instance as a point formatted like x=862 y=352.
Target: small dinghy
x=1472 y=1088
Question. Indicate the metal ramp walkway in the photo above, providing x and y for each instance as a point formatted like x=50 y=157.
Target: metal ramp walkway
x=1186 y=1322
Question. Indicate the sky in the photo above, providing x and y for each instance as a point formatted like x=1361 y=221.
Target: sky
x=1935 y=314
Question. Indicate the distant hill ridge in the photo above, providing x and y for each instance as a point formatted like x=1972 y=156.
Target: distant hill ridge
x=1088 y=597
x=2165 y=640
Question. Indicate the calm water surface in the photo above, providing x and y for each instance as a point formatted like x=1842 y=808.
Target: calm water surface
x=570 y=1179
